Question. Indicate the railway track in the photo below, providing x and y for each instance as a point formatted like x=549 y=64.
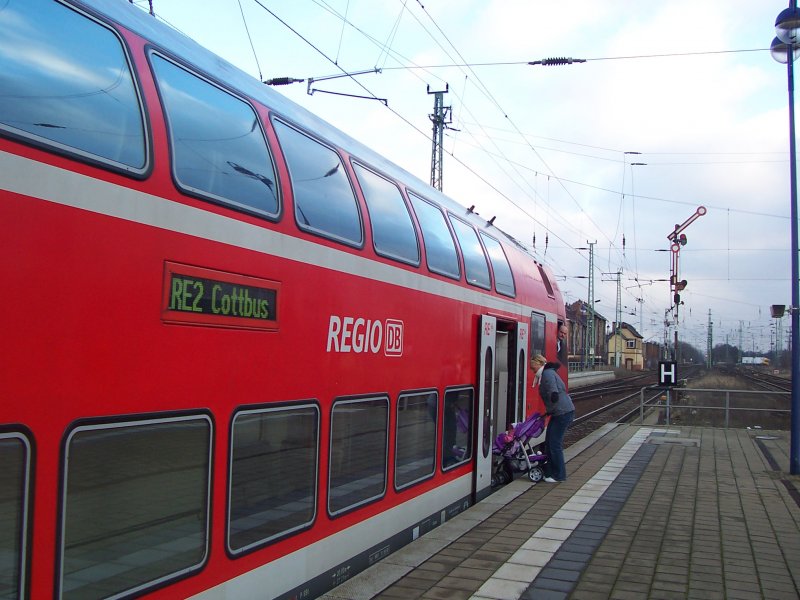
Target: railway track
x=764 y=380
x=613 y=402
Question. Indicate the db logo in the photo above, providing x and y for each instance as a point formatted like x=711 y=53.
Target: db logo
x=394 y=338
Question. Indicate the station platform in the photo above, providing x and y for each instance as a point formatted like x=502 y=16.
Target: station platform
x=579 y=379
x=646 y=512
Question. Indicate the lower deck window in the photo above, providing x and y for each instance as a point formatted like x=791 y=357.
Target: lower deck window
x=359 y=434
x=457 y=427
x=415 y=456
x=14 y=487
x=273 y=474
x=135 y=506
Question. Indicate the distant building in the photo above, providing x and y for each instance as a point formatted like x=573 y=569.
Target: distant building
x=630 y=344
x=653 y=354
x=583 y=354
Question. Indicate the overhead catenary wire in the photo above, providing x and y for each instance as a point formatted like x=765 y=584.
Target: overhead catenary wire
x=250 y=39
x=486 y=93
x=561 y=180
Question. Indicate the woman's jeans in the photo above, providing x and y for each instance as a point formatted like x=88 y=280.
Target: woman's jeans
x=556 y=468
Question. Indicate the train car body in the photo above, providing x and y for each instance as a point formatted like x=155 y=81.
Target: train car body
x=755 y=360
x=244 y=356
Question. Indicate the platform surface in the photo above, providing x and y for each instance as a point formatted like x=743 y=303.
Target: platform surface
x=646 y=512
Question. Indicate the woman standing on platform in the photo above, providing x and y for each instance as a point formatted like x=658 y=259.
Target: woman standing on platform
x=559 y=406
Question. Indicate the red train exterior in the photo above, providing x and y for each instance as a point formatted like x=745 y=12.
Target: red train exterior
x=207 y=399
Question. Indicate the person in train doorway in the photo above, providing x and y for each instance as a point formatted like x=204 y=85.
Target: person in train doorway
x=559 y=406
x=561 y=345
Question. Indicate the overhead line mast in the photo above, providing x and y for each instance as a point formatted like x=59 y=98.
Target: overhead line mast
x=441 y=118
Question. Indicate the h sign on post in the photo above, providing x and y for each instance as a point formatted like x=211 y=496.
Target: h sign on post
x=667 y=373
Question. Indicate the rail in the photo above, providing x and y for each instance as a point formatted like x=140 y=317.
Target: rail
x=720 y=402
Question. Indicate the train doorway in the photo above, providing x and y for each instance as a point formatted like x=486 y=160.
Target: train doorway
x=502 y=376
x=482 y=478
x=511 y=373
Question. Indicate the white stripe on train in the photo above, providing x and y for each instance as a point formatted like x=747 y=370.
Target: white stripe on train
x=61 y=186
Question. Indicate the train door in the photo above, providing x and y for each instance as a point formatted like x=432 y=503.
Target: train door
x=511 y=374
x=482 y=478
x=521 y=375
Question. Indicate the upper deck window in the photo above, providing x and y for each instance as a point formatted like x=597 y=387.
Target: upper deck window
x=440 y=249
x=218 y=148
x=65 y=81
x=393 y=232
x=546 y=281
x=475 y=265
x=503 y=278
x=324 y=202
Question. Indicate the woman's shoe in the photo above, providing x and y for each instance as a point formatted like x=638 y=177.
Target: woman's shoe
x=550 y=480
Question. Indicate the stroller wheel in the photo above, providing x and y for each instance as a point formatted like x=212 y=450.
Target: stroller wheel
x=495 y=482
x=536 y=474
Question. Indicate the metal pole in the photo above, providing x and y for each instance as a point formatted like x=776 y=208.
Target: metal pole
x=617 y=355
x=668 y=415
x=794 y=453
x=590 y=336
x=641 y=407
x=727 y=408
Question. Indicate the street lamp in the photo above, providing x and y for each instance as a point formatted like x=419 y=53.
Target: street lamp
x=785 y=49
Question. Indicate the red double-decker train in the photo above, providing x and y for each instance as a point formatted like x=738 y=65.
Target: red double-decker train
x=243 y=355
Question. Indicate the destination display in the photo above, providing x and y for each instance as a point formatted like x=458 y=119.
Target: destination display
x=204 y=296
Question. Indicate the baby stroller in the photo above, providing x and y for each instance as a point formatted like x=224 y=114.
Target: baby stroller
x=519 y=452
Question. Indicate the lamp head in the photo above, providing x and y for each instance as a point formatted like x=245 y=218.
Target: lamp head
x=780 y=51
x=787 y=25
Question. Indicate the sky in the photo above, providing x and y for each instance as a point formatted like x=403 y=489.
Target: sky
x=685 y=88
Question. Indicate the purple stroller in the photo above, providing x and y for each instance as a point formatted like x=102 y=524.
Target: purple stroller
x=520 y=453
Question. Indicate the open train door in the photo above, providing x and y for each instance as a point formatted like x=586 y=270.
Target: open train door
x=482 y=479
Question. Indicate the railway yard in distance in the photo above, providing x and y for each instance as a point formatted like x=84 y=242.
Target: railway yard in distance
x=699 y=400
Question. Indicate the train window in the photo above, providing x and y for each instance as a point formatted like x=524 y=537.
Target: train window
x=393 y=232
x=359 y=443
x=457 y=427
x=14 y=496
x=219 y=151
x=546 y=281
x=537 y=334
x=273 y=474
x=475 y=265
x=503 y=278
x=66 y=82
x=324 y=202
x=415 y=453
x=135 y=506
x=440 y=249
